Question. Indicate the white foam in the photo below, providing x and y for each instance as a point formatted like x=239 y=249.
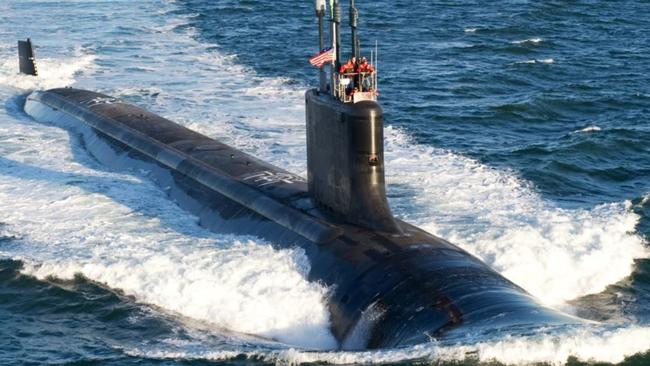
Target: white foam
x=556 y=254
x=358 y=337
x=588 y=129
x=585 y=345
x=52 y=73
x=534 y=41
x=646 y=199
x=546 y=61
x=246 y=287
x=471 y=30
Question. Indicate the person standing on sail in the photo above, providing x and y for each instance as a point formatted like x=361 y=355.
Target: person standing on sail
x=349 y=67
x=365 y=70
x=349 y=70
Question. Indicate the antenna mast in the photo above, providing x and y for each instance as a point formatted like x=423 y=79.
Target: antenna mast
x=354 y=18
x=336 y=42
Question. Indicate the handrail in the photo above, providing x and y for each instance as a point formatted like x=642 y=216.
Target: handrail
x=351 y=83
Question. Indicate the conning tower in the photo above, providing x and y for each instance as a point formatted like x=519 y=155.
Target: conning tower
x=345 y=132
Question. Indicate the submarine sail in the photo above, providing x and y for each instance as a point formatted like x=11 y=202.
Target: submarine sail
x=26 y=58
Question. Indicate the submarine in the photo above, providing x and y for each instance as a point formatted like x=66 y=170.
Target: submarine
x=391 y=283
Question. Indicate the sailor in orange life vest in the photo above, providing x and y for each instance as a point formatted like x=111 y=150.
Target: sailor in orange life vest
x=347 y=70
x=349 y=67
x=359 y=72
x=365 y=69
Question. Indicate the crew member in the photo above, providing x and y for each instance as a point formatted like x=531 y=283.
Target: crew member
x=347 y=70
x=365 y=69
x=349 y=67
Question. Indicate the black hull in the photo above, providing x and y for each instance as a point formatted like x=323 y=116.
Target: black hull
x=391 y=289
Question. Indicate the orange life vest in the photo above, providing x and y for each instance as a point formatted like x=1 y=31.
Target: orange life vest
x=366 y=67
x=348 y=67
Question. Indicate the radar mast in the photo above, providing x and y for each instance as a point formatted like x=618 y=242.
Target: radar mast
x=354 y=80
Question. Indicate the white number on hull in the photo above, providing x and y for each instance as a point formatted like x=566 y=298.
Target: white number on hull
x=266 y=178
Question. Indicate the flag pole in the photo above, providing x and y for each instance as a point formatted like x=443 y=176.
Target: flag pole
x=336 y=41
x=376 y=66
x=354 y=18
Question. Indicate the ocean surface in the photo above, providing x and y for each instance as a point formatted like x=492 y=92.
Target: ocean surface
x=519 y=130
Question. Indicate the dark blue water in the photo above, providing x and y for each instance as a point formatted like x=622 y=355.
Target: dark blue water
x=459 y=76
x=556 y=91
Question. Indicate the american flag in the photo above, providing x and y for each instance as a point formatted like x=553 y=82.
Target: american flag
x=323 y=57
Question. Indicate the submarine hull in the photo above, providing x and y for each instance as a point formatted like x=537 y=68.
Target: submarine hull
x=388 y=288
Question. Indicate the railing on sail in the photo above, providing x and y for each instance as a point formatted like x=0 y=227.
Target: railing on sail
x=356 y=87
